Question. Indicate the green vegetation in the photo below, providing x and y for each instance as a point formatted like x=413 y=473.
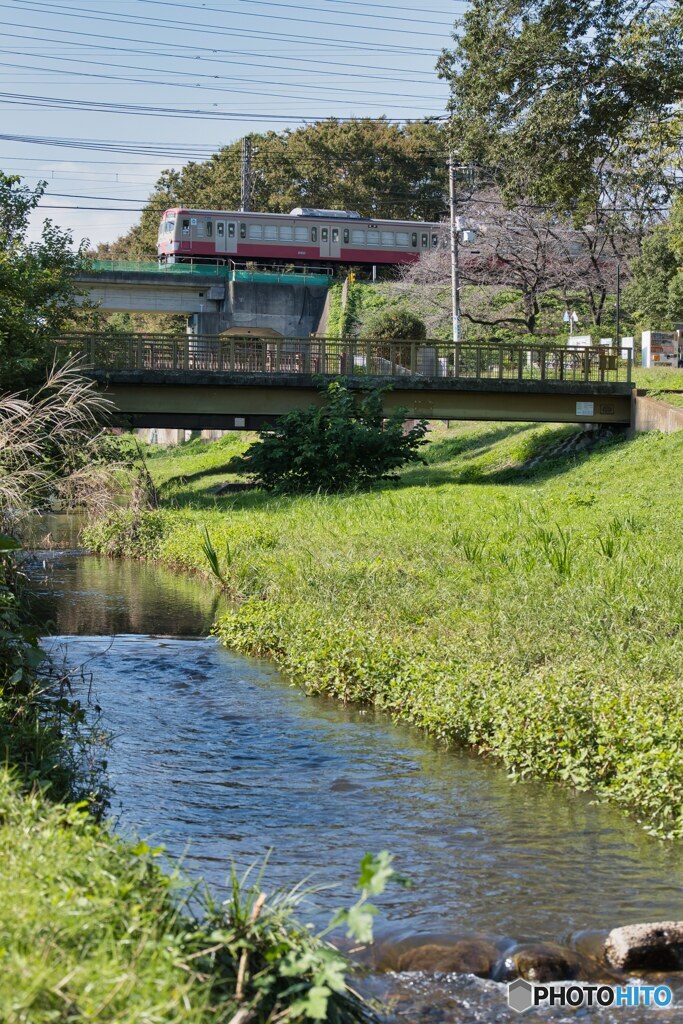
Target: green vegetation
x=345 y=442
x=92 y=928
x=37 y=294
x=520 y=593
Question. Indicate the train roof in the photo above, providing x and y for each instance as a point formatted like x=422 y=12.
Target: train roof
x=304 y=214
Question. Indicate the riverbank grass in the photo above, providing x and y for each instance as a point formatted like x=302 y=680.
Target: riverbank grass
x=522 y=593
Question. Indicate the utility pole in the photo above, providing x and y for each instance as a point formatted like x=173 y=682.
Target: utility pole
x=455 y=265
x=245 y=203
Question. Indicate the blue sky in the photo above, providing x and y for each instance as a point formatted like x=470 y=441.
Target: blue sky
x=135 y=86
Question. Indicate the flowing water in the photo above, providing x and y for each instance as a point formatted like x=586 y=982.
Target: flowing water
x=217 y=757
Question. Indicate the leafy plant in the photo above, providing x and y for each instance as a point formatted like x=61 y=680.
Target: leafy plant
x=346 y=442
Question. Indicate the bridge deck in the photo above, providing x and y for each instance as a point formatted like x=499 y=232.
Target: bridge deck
x=237 y=382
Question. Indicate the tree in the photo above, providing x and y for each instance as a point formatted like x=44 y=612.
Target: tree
x=346 y=442
x=372 y=166
x=37 y=291
x=395 y=322
x=657 y=288
x=545 y=92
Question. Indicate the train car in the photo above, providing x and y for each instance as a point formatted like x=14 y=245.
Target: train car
x=302 y=236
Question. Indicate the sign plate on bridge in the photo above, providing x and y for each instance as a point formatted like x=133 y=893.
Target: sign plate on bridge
x=585 y=408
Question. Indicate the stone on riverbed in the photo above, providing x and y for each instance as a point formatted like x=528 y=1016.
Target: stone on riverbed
x=647 y=947
x=546 y=961
x=467 y=956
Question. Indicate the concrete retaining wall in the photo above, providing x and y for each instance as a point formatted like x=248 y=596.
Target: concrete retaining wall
x=651 y=414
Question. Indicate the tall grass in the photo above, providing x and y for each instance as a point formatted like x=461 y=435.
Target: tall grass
x=534 y=612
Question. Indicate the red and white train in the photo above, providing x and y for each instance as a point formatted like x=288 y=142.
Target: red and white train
x=304 y=235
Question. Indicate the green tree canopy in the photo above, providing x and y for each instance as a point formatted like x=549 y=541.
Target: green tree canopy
x=545 y=92
x=375 y=167
x=36 y=286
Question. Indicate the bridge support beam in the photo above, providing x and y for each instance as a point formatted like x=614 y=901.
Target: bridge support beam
x=239 y=401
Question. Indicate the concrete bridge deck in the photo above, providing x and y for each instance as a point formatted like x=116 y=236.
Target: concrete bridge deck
x=242 y=383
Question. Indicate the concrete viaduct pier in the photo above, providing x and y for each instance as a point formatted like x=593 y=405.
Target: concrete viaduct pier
x=217 y=300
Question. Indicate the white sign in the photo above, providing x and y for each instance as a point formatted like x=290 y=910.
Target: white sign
x=582 y=340
x=607 y=341
x=627 y=342
x=585 y=408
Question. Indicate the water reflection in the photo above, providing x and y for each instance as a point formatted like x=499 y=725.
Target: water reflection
x=217 y=757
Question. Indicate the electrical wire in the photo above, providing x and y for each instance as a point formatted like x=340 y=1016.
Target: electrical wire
x=308 y=61
x=167 y=24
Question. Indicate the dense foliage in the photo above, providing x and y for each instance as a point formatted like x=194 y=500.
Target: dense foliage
x=345 y=442
x=395 y=322
x=556 y=96
x=36 y=286
x=504 y=597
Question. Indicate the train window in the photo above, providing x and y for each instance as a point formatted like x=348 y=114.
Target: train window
x=231 y=230
x=301 y=234
x=314 y=234
x=401 y=238
x=270 y=231
x=425 y=241
x=346 y=235
x=324 y=234
x=373 y=237
x=243 y=230
x=335 y=234
x=209 y=228
x=170 y=225
x=414 y=239
x=286 y=232
x=255 y=231
x=387 y=238
x=220 y=229
x=186 y=227
x=358 y=237
x=435 y=241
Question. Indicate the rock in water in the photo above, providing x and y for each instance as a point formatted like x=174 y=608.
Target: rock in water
x=545 y=962
x=468 y=956
x=646 y=947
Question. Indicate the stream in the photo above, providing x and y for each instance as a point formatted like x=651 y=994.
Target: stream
x=217 y=757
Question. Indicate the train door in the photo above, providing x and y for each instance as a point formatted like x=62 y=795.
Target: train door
x=335 y=244
x=324 y=242
x=226 y=236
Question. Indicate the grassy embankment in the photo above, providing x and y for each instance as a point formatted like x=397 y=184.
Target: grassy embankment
x=96 y=929
x=531 y=609
x=664 y=383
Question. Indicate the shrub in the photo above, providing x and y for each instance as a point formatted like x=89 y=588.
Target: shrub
x=346 y=442
x=394 y=322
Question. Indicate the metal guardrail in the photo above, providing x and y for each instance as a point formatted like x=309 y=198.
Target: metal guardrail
x=354 y=357
x=279 y=273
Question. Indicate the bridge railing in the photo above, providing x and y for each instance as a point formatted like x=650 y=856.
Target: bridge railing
x=371 y=357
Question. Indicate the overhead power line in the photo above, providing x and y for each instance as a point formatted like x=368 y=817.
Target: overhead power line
x=234 y=32
x=142 y=110
x=309 y=61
